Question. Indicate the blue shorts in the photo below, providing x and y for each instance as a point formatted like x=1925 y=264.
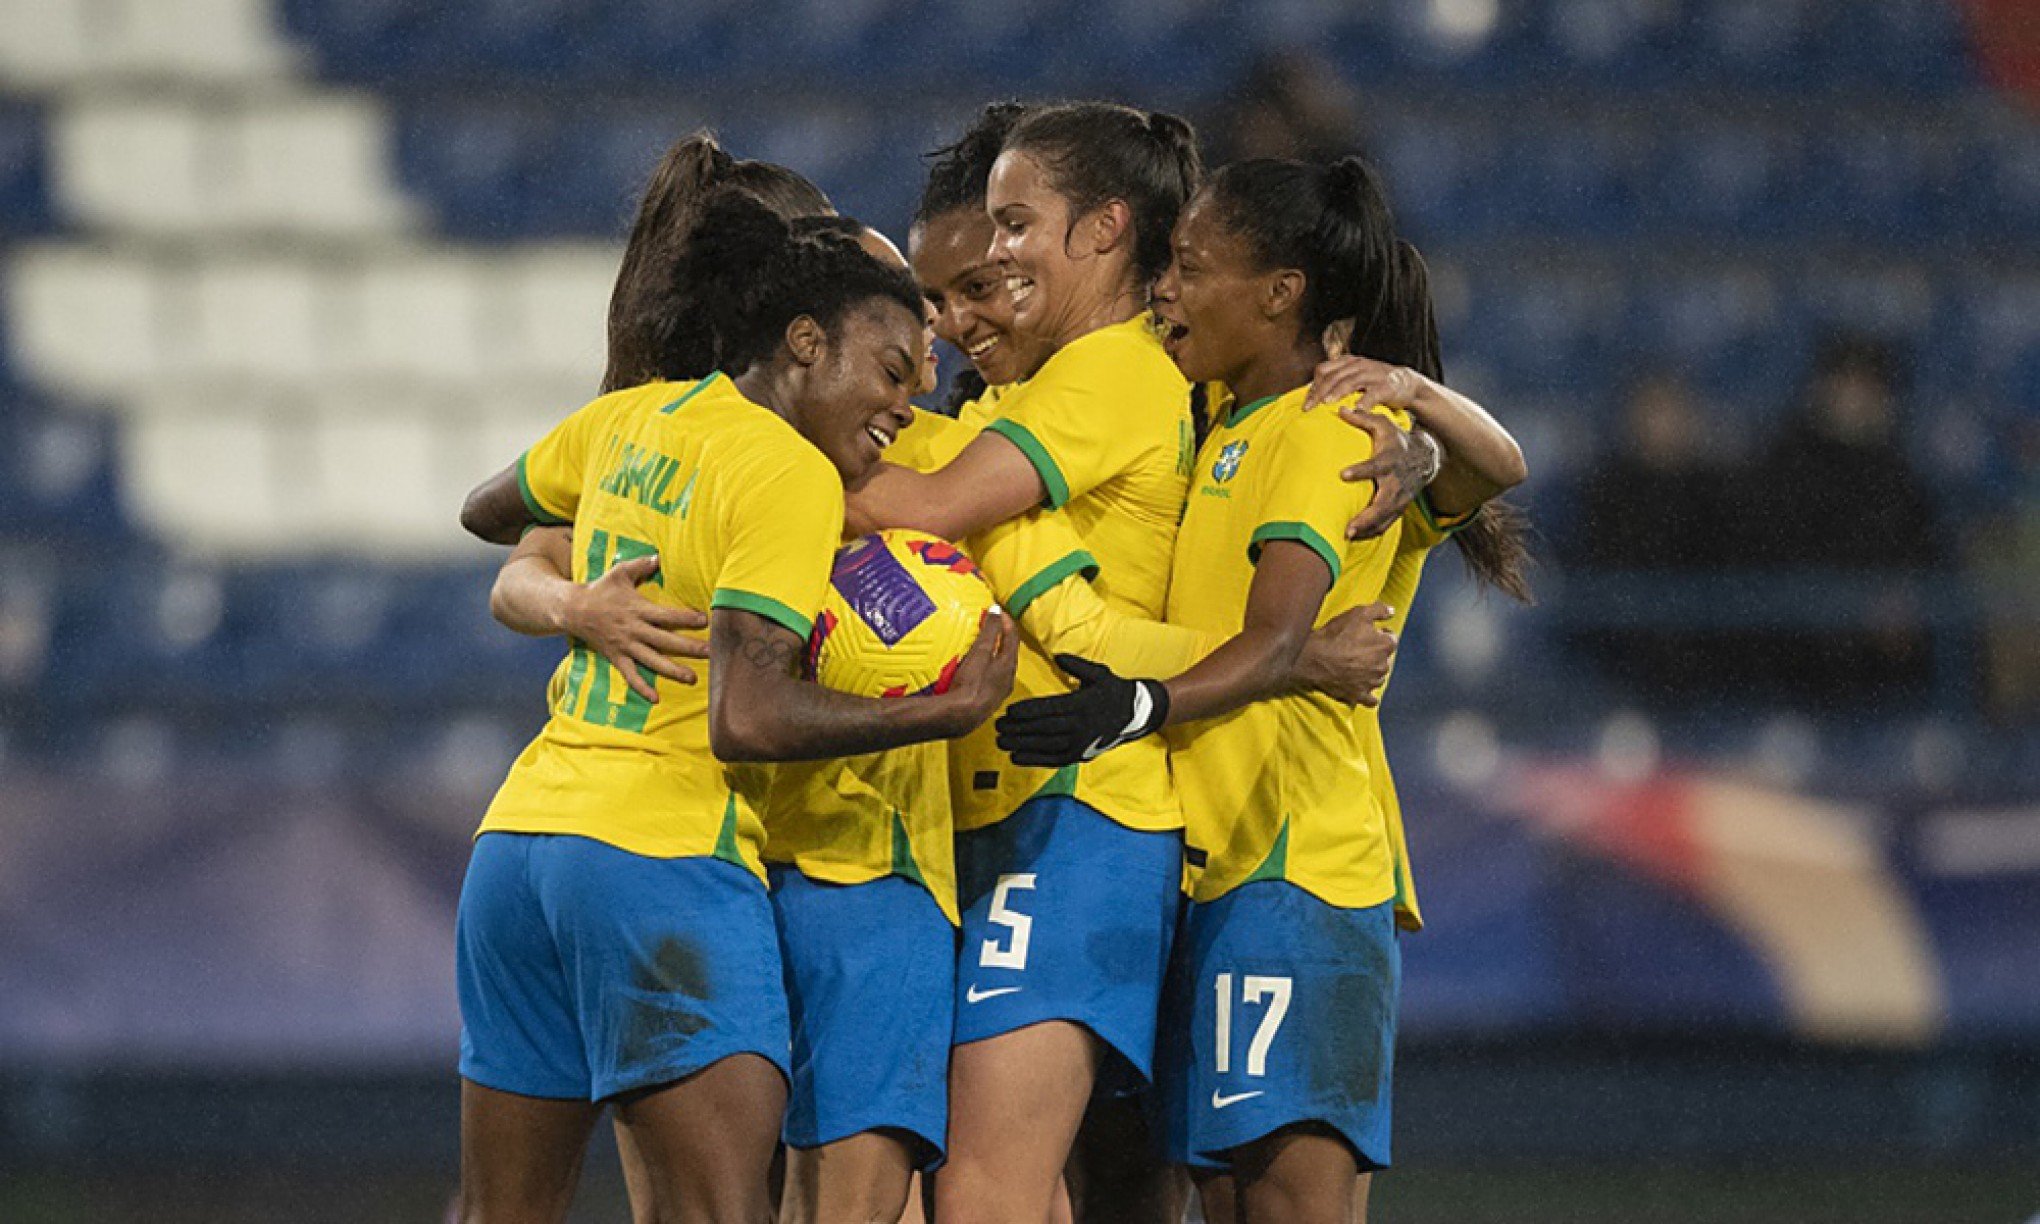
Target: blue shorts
x=871 y=982
x=1291 y=1018
x=1067 y=915
x=586 y=971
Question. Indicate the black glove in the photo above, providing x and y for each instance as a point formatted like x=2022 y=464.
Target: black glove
x=1105 y=712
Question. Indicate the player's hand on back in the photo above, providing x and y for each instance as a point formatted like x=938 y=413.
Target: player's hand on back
x=1404 y=461
x=984 y=676
x=631 y=631
x=1348 y=657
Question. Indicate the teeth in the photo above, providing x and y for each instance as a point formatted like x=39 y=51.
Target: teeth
x=1019 y=287
x=879 y=436
x=981 y=348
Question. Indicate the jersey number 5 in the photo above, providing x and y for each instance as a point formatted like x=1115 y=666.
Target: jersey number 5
x=1014 y=954
x=589 y=699
x=1253 y=989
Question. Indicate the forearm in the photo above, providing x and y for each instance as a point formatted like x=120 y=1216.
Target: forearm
x=534 y=586
x=1251 y=666
x=1481 y=459
x=1072 y=618
x=495 y=511
x=761 y=710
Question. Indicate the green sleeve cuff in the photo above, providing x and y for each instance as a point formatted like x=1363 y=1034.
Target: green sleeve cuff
x=765 y=606
x=1301 y=533
x=1443 y=526
x=1037 y=454
x=1079 y=562
x=539 y=514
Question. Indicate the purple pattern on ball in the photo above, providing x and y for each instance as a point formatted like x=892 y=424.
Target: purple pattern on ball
x=879 y=589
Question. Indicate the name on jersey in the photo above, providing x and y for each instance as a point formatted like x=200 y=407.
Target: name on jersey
x=640 y=474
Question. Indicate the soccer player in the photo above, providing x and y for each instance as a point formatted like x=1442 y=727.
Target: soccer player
x=1292 y=933
x=616 y=943
x=1068 y=880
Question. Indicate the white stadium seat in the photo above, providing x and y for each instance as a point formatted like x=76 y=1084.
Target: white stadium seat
x=86 y=321
x=261 y=319
x=317 y=163
x=422 y=314
x=559 y=300
x=60 y=42
x=128 y=163
x=212 y=482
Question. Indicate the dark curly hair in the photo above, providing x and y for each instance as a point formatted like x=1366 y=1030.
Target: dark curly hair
x=744 y=276
x=685 y=175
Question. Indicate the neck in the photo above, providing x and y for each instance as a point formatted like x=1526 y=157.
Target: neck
x=769 y=386
x=1116 y=307
x=1273 y=373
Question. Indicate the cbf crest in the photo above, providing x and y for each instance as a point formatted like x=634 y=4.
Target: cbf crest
x=1228 y=464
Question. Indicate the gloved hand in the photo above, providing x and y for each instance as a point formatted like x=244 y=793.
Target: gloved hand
x=1104 y=712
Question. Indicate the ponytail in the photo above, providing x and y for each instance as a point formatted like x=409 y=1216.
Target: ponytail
x=644 y=341
x=744 y=275
x=1495 y=545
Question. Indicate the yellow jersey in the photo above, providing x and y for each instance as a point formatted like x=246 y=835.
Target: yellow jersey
x=743 y=512
x=1421 y=531
x=1280 y=789
x=1106 y=424
x=862 y=818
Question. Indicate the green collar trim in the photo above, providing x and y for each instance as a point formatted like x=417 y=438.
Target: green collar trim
x=1241 y=414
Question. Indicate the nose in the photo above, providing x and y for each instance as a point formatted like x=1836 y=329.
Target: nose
x=1166 y=288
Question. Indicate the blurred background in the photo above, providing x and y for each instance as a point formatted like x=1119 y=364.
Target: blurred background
x=1730 y=848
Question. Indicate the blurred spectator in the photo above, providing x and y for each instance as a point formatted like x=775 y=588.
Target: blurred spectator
x=1837 y=492
x=1659 y=504
x=2005 y=558
x=1291 y=103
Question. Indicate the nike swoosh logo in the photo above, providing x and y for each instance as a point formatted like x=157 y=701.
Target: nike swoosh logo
x=974 y=995
x=1220 y=1101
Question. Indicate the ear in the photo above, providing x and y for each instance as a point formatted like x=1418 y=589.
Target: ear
x=1109 y=226
x=1281 y=292
x=806 y=340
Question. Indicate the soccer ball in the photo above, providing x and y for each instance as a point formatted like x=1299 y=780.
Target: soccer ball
x=902 y=610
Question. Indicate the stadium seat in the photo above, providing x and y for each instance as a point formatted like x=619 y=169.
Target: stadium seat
x=213 y=481
x=83 y=321
x=423 y=315
x=318 y=164
x=264 y=319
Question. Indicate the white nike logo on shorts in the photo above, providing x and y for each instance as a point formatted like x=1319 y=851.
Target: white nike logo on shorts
x=974 y=995
x=1220 y=1101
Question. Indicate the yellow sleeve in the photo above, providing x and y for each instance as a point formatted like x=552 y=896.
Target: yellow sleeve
x=1070 y=422
x=1424 y=527
x=783 y=522
x=1304 y=499
x=931 y=441
x=1041 y=572
x=551 y=473
x=1071 y=618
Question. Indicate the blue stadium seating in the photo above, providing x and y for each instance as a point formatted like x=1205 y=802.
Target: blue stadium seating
x=24 y=194
x=1606 y=185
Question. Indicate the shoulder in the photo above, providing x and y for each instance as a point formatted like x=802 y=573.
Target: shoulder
x=1322 y=432
x=1125 y=355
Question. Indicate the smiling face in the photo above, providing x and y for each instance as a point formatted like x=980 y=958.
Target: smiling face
x=1060 y=270
x=1215 y=301
x=851 y=399
x=973 y=309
